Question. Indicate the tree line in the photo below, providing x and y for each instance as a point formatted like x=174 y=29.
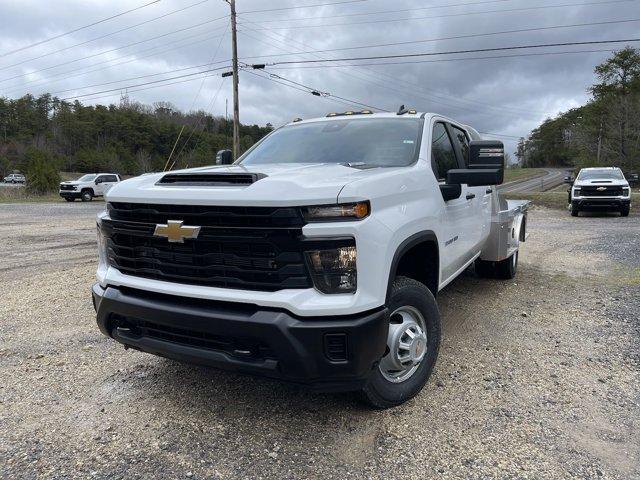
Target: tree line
x=604 y=132
x=42 y=135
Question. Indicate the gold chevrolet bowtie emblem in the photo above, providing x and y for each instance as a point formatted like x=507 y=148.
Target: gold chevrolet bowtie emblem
x=602 y=189
x=175 y=231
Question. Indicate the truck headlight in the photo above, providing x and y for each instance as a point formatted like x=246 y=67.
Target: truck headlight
x=334 y=271
x=576 y=190
x=332 y=213
x=625 y=192
x=102 y=247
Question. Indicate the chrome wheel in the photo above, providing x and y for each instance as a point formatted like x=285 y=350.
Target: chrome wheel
x=406 y=344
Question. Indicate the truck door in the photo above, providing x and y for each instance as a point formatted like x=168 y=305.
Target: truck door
x=479 y=197
x=107 y=181
x=457 y=214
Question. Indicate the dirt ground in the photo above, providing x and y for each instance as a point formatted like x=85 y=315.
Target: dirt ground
x=537 y=377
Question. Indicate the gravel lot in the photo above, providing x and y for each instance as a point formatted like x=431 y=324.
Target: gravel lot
x=537 y=378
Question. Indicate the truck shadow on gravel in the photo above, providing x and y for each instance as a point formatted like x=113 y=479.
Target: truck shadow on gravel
x=212 y=390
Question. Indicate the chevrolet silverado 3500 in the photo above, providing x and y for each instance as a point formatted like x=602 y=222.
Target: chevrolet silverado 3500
x=603 y=189
x=316 y=257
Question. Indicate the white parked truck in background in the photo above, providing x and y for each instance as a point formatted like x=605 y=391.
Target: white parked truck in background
x=603 y=189
x=88 y=186
x=14 y=178
x=316 y=257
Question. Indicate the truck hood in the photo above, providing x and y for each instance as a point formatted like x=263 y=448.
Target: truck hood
x=277 y=185
x=602 y=183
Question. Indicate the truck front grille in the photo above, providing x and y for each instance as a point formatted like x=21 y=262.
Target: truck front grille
x=67 y=187
x=609 y=191
x=248 y=257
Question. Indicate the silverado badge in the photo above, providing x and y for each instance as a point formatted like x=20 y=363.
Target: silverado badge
x=175 y=231
x=602 y=189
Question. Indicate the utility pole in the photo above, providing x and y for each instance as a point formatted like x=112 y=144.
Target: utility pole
x=236 y=102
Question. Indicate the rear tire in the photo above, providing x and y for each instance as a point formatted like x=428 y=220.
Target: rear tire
x=507 y=269
x=86 y=196
x=624 y=211
x=485 y=269
x=412 y=344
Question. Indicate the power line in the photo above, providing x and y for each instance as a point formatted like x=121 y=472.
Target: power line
x=84 y=87
x=380 y=12
x=494 y=57
x=449 y=15
x=77 y=29
x=394 y=80
x=117 y=48
x=307 y=89
x=125 y=90
x=455 y=37
x=500 y=135
x=302 y=6
x=146 y=83
x=53 y=52
x=84 y=71
x=453 y=52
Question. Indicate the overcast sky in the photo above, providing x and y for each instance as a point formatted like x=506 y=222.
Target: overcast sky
x=508 y=95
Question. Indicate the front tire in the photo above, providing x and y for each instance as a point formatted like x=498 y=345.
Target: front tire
x=86 y=196
x=624 y=211
x=574 y=210
x=69 y=199
x=412 y=345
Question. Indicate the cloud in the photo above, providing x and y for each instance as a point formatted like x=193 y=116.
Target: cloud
x=501 y=95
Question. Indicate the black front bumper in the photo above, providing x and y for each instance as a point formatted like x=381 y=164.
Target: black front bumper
x=325 y=353
x=601 y=203
x=69 y=194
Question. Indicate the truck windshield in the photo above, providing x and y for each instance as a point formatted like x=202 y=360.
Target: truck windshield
x=87 y=178
x=600 y=175
x=377 y=142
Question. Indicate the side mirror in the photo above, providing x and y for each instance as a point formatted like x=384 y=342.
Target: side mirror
x=486 y=165
x=475 y=178
x=98 y=181
x=568 y=180
x=224 y=157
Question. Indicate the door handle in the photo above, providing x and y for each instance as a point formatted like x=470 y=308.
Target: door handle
x=471 y=196
x=488 y=191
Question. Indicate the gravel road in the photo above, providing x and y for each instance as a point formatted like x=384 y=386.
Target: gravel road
x=537 y=378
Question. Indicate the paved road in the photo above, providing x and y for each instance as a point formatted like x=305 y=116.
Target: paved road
x=551 y=179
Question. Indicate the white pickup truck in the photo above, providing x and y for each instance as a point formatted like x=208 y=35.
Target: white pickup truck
x=603 y=189
x=88 y=186
x=316 y=257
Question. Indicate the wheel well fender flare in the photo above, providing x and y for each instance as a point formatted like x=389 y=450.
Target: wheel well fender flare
x=404 y=247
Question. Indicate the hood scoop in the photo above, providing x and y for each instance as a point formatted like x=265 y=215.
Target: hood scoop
x=210 y=179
